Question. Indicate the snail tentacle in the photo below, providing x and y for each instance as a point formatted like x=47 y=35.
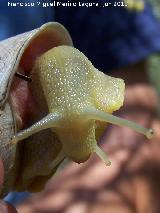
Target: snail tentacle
x=51 y=120
x=102 y=155
x=109 y=118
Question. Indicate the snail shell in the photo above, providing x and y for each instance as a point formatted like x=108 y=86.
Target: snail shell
x=15 y=51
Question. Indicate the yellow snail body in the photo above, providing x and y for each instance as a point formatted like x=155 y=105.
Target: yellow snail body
x=73 y=100
x=78 y=95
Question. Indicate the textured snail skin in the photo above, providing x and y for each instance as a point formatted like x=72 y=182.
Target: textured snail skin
x=73 y=87
x=79 y=87
x=73 y=103
x=79 y=99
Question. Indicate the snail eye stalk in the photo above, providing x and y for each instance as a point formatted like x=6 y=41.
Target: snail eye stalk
x=103 y=116
x=102 y=155
x=109 y=118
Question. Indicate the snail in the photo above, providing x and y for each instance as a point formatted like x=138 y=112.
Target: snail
x=59 y=114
